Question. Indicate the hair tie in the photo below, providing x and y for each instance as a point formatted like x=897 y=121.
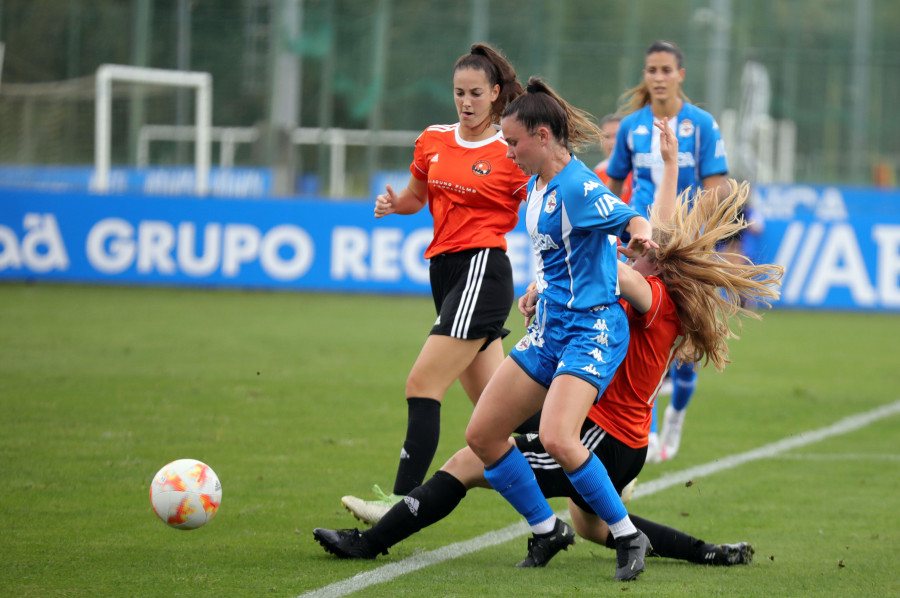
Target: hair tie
x=532 y=88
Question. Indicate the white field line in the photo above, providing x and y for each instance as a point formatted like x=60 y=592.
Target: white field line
x=839 y=457
x=419 y=561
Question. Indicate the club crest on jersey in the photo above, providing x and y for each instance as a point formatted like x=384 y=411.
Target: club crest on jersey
x=523 y=344
x=551 y=202
x=685 y=128
x=481 y=168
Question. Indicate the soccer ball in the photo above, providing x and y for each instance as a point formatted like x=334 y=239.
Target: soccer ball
x=185 y=494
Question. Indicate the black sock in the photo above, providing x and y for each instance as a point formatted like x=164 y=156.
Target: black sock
x=530 y=425
x=423 y=428
x=424 y=505
x=670 y=542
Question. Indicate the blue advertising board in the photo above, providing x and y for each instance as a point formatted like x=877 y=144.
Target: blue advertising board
x=162 y=180
x=291 y=244
x=840 y=246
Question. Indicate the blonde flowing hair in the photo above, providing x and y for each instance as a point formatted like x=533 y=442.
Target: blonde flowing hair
x=708 y=290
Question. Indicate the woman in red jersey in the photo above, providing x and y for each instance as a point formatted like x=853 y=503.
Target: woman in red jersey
x=674 y=308
x=473 y=192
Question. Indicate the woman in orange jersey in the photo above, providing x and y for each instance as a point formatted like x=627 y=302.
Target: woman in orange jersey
x=473 y=192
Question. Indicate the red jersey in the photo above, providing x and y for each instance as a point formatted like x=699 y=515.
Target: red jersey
x=474 y=190
x=624 y=410
x=600 y=170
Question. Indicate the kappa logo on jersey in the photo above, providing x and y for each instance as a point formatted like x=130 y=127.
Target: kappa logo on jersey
x=685 y=128
x=435 y=158
x=551 y=202
x=590 y=369
x=602 y=339
x=597 y=355
x=481 y=168
x=642 y=130
x=601 y=325
x=590 y=186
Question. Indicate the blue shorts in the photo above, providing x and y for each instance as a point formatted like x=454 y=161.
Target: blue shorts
x=589 y=345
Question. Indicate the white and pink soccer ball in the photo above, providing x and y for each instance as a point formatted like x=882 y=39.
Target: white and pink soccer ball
x=185 y=494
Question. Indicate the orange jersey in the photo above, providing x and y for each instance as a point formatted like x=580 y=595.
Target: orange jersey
x=474 y=190
x=600 y=170
x=624 y=409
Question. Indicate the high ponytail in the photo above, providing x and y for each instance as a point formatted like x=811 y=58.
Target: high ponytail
x=540 y=105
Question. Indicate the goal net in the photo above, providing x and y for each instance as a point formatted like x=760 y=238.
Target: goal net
x=51 y=133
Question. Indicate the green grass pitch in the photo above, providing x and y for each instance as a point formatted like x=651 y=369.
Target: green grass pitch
x=297 y=399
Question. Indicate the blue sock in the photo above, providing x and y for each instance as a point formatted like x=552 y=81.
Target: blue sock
x=593 y=483
x=684 y=381
x=512 y=477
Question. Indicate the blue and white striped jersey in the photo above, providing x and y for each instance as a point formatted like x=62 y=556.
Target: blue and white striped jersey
x=701 y=152
x=573 y=223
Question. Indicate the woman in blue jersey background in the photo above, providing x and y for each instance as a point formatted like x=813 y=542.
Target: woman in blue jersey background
x=579 y=335
x=701 y=163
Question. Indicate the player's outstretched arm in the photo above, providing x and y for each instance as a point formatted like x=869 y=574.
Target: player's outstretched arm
x=641 y=240
x=664 y=204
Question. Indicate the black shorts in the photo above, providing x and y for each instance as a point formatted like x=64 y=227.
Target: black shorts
x=622 y=462
x=473 y=293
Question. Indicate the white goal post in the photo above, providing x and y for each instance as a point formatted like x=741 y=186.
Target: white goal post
x=107 y=73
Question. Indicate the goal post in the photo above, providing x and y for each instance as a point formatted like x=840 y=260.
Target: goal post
x=108 y=73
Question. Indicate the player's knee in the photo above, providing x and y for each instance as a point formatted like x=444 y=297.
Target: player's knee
x=424 y=383
x=476 y=439
x=562 y=448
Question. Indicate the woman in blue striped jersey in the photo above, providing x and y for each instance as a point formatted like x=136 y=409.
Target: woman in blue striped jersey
x=701 y=163
x=579 y=334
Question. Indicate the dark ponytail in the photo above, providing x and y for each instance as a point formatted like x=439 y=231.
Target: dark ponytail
x=540 y=105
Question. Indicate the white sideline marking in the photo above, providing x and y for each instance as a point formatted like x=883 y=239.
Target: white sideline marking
x=419 y=561
x=839 y=457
